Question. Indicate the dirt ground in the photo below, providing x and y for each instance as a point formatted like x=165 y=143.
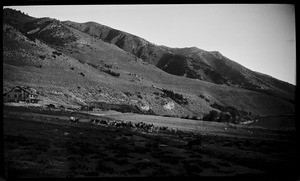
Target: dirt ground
x=43 y=143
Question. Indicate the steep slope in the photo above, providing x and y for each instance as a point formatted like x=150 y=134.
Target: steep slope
x=190 y=62
x=128 y=42
x=71 y=67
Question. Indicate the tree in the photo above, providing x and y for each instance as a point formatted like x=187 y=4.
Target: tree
x=224 y=117
x=212 y=116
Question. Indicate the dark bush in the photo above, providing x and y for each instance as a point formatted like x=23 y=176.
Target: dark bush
x=108 y=66
x=82 y=74
x=87 y=108
x=42 y=57
x=57 y=53
x=212 y=116
x=128 y=93
x=111 y=73
x=175 y=97
x=93 y=65
x=51 y=106
x=224 y=117
x=62 y=107
x=81 y=61
x=201 y=96
x=195 y=117
x=156 y=93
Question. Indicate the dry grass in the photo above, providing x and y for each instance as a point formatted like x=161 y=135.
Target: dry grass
x=39 y=147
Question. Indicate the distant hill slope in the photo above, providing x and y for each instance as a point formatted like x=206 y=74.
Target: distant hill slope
x=190 y=62
x=85 y=64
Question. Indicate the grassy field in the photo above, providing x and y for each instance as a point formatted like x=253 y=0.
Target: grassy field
x=43 y=143
x=203 y=127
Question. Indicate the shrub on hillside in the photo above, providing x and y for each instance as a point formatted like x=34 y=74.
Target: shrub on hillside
x=111 y=73
x=203 y=97
x=93 y=65
x=42 y=57
x=175 y=96
x=228 y=114
x=128 y=94
x=61 y=107
x=51 y=106
x=108 y=66
x=232 y=110
x=57 y=53
x=224 y=117
x=81 y=61
x=212 y=116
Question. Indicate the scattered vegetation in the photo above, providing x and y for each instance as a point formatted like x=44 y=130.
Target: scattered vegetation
x=175 y=97
x=57 y=53
x=105 y=69
x=139 y=95
x=51 y=106
x=231 y=110
x=213 y=115
x=93 y=65
x=42 y=57
x=62 y=107
x=108 y=71
x=203 y=97
x=128 y=94
x=108 y=66
x=81 y=61
x=227 y=114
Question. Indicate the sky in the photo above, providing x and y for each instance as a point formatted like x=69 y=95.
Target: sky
x=260 y=37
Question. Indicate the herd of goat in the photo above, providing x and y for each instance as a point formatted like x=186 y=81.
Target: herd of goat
x=140 y=126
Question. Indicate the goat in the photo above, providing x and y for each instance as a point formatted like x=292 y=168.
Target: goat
x=74 y=119
x=103 y=122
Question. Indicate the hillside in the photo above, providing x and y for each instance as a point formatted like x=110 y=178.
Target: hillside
x=190 y=62
x=74 y=64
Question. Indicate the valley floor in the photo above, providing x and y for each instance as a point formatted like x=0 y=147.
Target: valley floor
x=43 y=143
